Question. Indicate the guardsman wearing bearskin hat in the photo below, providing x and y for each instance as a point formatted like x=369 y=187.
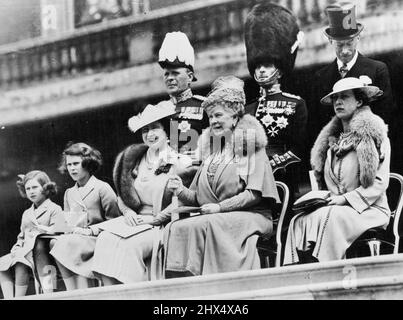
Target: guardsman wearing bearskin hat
x=176 y=57
x=272 y=37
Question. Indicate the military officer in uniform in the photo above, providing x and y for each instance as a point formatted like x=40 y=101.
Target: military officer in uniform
x=272 y=37
x=176 y=57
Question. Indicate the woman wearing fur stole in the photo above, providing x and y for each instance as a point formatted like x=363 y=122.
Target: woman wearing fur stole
x=234 y=188
x=140 y=176
x=350 y=158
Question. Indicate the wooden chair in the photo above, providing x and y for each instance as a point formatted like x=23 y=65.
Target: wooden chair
x=376 y=237
x=267 y=247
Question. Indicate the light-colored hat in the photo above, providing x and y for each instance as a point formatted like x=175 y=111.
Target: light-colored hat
x=176 y=51
x=228 y=90
x=350 y=83
x=150 y=114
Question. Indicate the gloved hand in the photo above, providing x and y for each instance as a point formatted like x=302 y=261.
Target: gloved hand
x=83 y=231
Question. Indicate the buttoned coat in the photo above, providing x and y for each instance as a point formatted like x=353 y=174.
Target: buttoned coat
x=139 y=258
x=358 y=169
x=45 y=215
x=98 y=202
x=96 y=198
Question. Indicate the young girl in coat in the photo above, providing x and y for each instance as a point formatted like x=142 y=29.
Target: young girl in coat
x=16 y=266
x=90 y=201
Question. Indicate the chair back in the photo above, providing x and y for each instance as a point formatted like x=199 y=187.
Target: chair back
x=284 y=195
x=395 y=200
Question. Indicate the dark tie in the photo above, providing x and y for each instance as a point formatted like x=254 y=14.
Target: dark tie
x=343 y=70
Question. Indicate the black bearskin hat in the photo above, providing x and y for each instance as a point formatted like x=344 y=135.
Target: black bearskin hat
x=271 y=34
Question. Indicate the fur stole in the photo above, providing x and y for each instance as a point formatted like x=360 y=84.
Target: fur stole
x=368 y=131
x=124 y=172
x=247 y=138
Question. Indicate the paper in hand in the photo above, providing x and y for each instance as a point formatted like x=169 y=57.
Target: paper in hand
x=119 y=227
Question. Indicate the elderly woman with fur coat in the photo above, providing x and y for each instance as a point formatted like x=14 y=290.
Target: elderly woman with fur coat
x=351 y=159
x=234 y=188
x=140 y=176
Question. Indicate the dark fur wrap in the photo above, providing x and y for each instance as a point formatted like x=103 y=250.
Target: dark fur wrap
x=270 y=32
x=123 y=176
x=368 y=130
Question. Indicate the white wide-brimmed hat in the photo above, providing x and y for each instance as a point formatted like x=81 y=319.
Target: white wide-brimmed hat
x=150 y=114
x=350 y=83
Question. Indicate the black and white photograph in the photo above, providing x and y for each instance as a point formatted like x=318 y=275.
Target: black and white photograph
x=208 y=152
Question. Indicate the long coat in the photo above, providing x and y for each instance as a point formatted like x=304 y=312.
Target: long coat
x=98 y=202
x=44 y=215
x=138 y=258
x=326 y=77
x=226 y=241
x=355 y=166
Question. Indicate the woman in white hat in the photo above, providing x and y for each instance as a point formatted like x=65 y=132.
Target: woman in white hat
x=234 y=188
x=351 y=159
x=140 y=175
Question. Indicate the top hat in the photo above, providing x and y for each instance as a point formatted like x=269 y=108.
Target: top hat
x=177 y=52
x=342 y=21
x=150 y=114
x=362 y=83
x=272 y=35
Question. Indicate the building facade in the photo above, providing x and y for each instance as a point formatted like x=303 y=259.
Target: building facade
x=81 y=82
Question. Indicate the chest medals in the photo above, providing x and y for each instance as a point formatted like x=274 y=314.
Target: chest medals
x=275 y=115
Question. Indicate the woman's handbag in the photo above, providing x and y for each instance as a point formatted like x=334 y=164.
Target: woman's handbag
x=311 y=201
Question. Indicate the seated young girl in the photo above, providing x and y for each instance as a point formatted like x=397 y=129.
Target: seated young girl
x=16 y=266
x=91 y=199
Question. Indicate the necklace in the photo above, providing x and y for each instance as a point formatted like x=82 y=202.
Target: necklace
x=149 y=163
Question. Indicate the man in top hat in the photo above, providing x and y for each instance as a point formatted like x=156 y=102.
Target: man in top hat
x=344 y=34
x=272 y=37
x=176 y=57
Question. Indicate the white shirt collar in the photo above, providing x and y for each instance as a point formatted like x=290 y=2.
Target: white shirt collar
x=350 y=64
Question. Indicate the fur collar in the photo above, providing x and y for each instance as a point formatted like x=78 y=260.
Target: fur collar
x=368 y=132
x=123 y=174
x=249 y=137
x=125 y=171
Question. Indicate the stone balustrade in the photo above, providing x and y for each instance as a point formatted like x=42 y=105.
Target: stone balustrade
x=366 y=278
x=135 y=41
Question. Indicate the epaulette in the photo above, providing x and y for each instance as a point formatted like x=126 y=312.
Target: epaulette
x=201 y=98
x=289 y=95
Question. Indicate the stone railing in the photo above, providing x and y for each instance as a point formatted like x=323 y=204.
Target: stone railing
x=361 y=278
x=135 y=41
